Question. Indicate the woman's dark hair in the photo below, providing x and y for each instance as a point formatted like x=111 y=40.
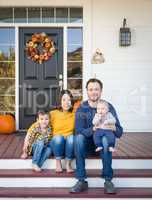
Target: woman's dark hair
x=94 y=80
x=71 y=98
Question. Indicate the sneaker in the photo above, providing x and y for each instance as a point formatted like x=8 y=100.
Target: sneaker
x=109 y=187
x=80 y=186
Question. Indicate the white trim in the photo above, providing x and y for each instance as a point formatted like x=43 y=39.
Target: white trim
x=42 y=25
x=65 y=57
x=87 y=51
x=17 y=77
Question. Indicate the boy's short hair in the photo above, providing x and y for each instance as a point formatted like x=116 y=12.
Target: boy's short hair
x=101 y=101
x=42 y=112
x=94 y=80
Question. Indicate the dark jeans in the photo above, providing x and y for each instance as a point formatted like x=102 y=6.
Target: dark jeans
x=84 y=146
x=97 y=137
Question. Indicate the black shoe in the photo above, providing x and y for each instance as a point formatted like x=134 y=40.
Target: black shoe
x=109 y=187
x=80 y=186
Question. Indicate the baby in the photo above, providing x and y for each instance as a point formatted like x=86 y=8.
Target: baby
x=37 y=140
x=102 y=118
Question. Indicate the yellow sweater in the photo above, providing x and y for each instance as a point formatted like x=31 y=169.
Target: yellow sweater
x=62 y=123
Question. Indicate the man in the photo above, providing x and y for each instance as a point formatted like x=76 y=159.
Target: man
x=84 y=139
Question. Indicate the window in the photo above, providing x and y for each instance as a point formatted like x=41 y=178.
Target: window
x=41 y=15
x=7 y=70
x=6 y=15
x=20 y=15
x=75 y=61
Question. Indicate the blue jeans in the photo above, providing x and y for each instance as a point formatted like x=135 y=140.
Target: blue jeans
x=82 y=147
x=99 y=133
x=40 y=152
x=63 y=147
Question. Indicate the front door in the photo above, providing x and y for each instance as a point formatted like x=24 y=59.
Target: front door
x=38 y=83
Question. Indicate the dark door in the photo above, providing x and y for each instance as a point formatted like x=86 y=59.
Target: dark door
x=38 y=83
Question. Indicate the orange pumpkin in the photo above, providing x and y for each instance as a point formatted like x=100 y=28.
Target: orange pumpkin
x=7 y=124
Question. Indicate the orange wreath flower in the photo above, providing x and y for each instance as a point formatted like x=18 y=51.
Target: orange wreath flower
x=40 y=48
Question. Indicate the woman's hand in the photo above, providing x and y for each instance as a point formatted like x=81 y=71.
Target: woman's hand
x=94 y=128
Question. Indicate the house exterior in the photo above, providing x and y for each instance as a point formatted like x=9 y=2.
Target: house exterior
x=77 y=29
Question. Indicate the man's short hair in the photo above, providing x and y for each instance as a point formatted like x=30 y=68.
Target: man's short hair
x=94 y=80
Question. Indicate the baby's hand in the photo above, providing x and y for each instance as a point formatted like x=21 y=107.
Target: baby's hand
x=98 y=115
x=110 y=127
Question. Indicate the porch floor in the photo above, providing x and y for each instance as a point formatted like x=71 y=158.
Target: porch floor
x=131 y=146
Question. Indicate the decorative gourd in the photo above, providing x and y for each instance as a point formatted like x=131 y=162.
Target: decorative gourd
x=7 y=124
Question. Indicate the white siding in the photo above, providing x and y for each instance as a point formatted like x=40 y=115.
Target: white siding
x=127 y=72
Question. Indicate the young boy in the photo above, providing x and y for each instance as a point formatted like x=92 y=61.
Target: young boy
x=37 y=141
x=103 y=117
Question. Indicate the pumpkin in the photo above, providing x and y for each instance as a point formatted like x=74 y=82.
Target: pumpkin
x=7 y=124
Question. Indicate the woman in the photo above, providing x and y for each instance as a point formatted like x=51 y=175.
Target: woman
x=62 y=123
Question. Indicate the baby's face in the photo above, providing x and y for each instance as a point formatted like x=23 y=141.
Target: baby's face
x=102 y=109
x=43 y=120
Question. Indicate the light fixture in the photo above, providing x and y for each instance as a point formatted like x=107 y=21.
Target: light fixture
x=98 y=57
x=124 y=35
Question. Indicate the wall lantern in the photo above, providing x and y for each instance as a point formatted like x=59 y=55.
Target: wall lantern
x=125 y=35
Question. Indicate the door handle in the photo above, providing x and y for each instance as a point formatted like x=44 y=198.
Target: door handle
x=61 y=82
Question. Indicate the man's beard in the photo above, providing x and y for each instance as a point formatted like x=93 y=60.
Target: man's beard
x=95 y=100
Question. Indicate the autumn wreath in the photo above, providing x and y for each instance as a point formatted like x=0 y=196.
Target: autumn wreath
x=40 y=48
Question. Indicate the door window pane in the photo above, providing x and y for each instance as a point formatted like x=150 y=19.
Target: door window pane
x=6 y=15
x=74 y=69
x=20 y=15
x=47 y=15
x=7 y=87
x=76 y=15
x=74 y=53
x=7 y=36
x=61 y=15
x=34 y=15
x=75 y=36
x=7 y=53
x=75 y=86
x=7 y=69
x=7 y=103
